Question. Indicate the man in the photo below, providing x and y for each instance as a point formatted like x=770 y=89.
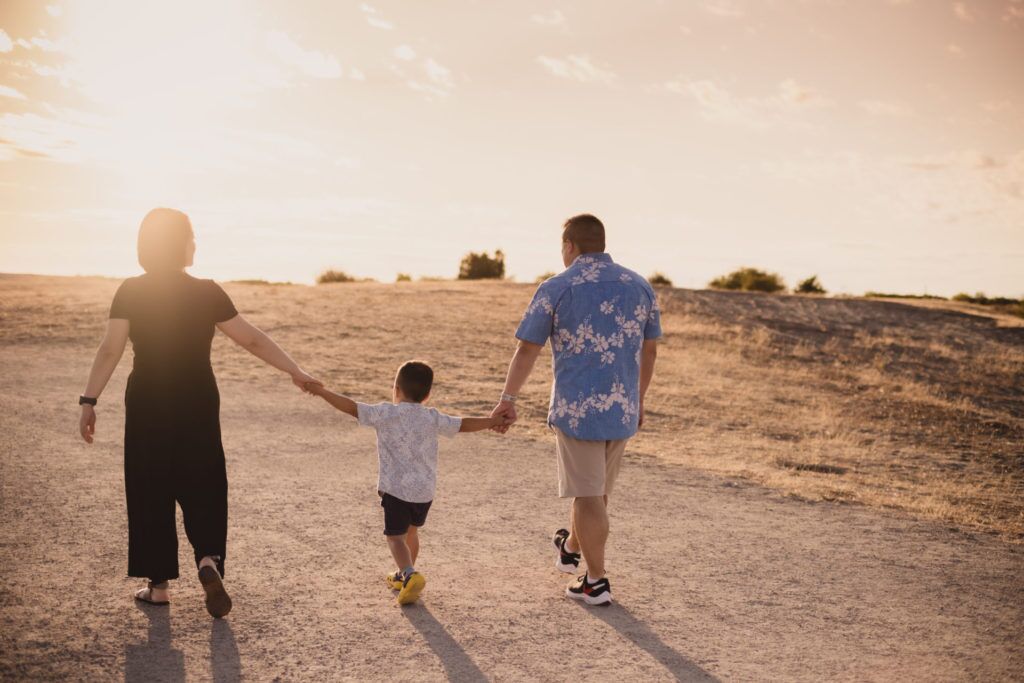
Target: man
x=603 y=322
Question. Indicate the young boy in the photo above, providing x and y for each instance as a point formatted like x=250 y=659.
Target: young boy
x=407 y=457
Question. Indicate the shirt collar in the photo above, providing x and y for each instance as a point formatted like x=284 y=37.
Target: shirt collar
x=593 y=257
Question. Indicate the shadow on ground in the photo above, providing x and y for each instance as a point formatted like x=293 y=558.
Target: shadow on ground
x=458 y=666
x=158 y=660
x=641 y=635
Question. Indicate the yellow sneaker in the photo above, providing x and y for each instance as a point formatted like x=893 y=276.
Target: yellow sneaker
x=394 y=580
x=411 y=588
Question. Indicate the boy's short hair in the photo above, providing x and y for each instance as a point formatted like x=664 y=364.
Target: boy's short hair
x=586 y=232
x=415 y=378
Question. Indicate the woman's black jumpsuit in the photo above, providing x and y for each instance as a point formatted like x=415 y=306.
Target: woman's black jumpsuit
x=172 y=445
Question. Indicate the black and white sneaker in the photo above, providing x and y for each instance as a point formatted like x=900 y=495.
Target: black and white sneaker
x=597 y=593
x=565 y=562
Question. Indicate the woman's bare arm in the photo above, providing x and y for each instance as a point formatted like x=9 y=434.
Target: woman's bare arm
x=256 y=342
x=108 y=355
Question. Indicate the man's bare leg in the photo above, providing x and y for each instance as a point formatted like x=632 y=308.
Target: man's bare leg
x=590 y=532
x=572 y=543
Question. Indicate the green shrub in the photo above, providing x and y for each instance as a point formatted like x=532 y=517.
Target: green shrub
x=884 y=295
x=481 y=266
x=403 y=277
x=749 y=280
x=659 y=280
x=330 y=275
x=980 y=298
x=544 y=276
x=810 y=286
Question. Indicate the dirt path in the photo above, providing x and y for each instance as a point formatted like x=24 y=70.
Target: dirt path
x=714 y=579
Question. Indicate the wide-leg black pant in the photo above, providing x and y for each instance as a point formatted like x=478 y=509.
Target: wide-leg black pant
x=173 y=458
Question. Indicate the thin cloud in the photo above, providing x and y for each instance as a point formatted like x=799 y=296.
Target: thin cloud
x=374 y=19
x=7 y=91
x=54 y=10
x=438 y=74
x=310 y=62
x=1014 y=11
x=438 y=82
x=577 y=68
x=962 y=11
x=726 y=9
x=405 y=53
x=6 y=44
x=716 y=103
x=552 y=18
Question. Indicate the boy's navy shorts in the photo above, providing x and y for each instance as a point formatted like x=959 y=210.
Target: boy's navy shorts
x=400 y=514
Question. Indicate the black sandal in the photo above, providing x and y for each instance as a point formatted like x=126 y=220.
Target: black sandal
x=218 y=602
x=148 y=591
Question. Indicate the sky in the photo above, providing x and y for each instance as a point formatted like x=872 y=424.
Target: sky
x=878 y=144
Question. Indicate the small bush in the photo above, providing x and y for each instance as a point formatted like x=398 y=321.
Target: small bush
x=658 y=279
x=810 y=286
x=544 y=276
x=481 y=266
x=331 y=275
x=260 y=282
x=749 y=280
x=980 y=298
x=403 y=277
x=884 y=295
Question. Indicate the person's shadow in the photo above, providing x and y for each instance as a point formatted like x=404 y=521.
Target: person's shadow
x=155 y=659
x=457 y=664
x=631 y=628
x=224 y=659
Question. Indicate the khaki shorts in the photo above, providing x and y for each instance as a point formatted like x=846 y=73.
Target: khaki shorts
x=587 y=468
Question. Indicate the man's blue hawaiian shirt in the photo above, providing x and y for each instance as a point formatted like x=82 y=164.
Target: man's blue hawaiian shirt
x=598 y=315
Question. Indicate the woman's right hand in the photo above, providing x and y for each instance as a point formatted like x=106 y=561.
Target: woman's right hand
x=87 y=423
x=300 y=379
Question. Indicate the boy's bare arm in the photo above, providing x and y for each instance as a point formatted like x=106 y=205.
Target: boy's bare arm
x=478 y=424
x=342 y=403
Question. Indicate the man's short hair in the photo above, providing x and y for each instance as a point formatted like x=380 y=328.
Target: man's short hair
x=415 y=378
x=586 y=232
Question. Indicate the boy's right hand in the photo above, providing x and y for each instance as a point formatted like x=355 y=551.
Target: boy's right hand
x=314 y=388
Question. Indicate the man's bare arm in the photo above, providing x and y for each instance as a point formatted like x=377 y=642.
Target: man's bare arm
x=518 y=372
x=648 y=355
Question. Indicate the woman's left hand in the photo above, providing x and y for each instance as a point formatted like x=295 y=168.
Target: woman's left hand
x=87 y=423
x=300 y=379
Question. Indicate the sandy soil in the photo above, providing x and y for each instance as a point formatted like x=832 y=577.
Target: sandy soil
x=716 y=577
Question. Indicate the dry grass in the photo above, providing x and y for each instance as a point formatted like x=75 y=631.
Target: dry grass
x=913 y=407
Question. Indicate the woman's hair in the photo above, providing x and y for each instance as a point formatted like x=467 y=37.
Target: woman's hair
x=163 y=238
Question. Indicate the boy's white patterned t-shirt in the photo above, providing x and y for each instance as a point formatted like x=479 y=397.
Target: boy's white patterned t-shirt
x=407 y=446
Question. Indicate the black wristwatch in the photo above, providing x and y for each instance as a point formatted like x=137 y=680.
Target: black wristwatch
x=85 y=400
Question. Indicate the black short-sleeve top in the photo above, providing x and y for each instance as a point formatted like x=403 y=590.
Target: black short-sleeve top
x=171 y=324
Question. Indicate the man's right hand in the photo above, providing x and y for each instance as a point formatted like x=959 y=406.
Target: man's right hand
x=508 y=409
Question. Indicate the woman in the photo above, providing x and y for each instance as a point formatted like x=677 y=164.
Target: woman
x=172 y=444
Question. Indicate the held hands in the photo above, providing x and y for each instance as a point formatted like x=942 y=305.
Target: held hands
x=87 y=423
x=314 y=387
x=507 y=411
x=306 y=382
